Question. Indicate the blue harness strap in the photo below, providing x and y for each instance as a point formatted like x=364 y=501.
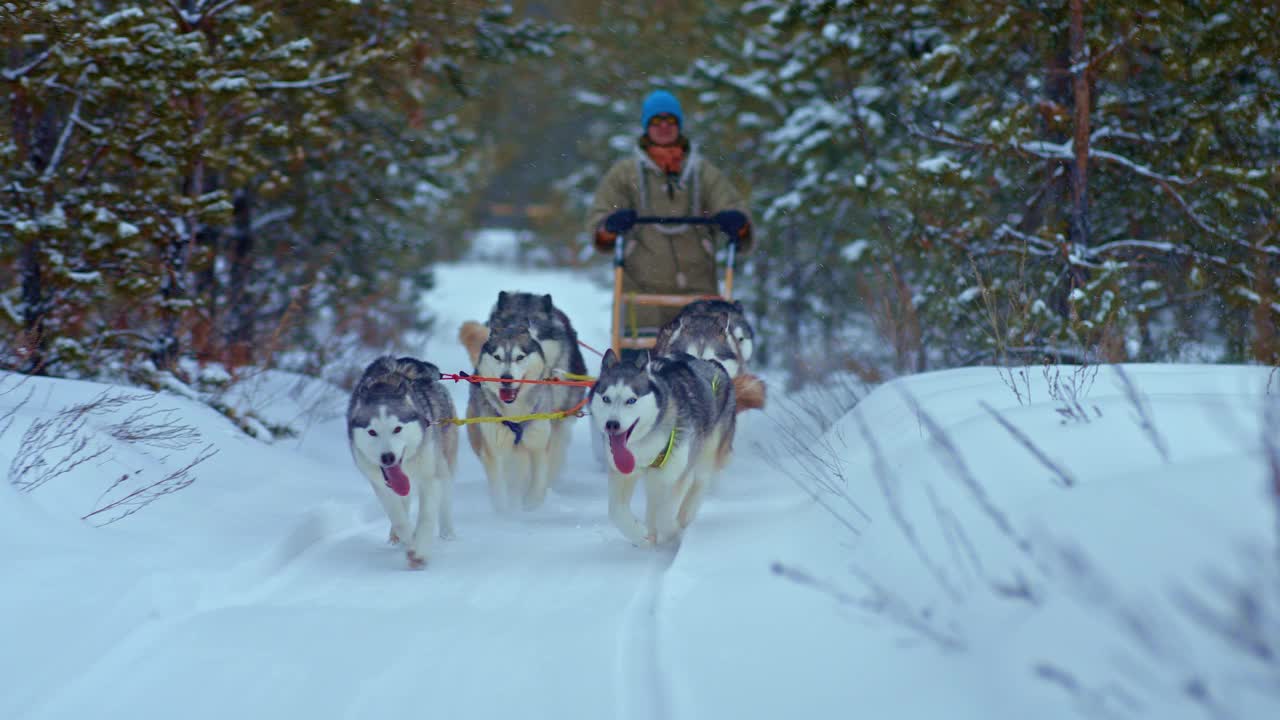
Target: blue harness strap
x=517 y=428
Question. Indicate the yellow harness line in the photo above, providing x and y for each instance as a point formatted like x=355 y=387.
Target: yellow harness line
x=661 y=460
x=557 y=415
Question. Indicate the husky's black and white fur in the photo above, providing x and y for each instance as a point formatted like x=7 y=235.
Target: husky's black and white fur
x=711 y=330
x=717 y=330
x=553 y=332
x=519 y=457
x=399 y=443
x=668 y=421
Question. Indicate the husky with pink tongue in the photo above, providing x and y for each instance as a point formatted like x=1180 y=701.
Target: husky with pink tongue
x=519 y=453
x=668 y=421
x=400 y=444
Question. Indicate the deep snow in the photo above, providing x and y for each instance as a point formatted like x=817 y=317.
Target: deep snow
x=974 y=584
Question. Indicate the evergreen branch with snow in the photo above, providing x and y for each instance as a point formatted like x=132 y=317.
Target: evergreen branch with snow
x=18 y=73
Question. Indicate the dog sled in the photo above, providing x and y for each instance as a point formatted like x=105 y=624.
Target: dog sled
x=637 y=341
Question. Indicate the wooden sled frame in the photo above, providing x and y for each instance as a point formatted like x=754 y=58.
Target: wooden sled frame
x=620 y=341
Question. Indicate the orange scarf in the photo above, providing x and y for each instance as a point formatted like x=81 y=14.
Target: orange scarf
x=668 y=157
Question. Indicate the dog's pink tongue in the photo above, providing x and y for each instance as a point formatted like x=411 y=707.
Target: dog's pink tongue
x=622 y=457
x=396 y=479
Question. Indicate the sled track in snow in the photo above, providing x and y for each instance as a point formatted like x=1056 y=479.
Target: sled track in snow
x=642 y=693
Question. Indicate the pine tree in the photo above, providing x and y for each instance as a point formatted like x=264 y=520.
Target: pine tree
x=210 y=179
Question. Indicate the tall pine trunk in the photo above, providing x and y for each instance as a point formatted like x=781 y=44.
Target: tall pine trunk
x=1080 y=125
x=32 y=139
x=33 y=308
x=241 y=310
x=177 y=261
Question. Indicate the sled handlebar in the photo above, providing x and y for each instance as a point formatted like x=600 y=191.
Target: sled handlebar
x=619 y=261
x=619 y=253
x=676 y=220
x=686 y=220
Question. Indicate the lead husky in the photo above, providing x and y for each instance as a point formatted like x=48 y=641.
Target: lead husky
x=669 y=420
x=399 y=444
x=553 y=332
x=716 y=330
x=519 y=457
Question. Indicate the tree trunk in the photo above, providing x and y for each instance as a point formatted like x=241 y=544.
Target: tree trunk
x=33 y=308
x=1080 y=124
x=241 y=309
x=178 y=257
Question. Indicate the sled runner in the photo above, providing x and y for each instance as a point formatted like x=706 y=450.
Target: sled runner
x=635 y=340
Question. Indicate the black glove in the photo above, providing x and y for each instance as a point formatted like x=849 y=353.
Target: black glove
x=620 y=221
x=731 y=222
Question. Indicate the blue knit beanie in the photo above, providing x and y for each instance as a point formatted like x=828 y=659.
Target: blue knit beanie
x=659 y=102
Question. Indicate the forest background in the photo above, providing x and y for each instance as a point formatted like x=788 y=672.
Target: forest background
x=934 y=184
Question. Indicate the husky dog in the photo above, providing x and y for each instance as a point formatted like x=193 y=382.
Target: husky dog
x=547 y=323
x=399 y=443
x=669 y=420
x=518 y=457
x=550 y=327
x=716 y=330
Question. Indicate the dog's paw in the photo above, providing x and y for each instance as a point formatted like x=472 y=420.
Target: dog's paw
x=393 y=538
x=532 y=501
x=416 y=561
x=448 y=534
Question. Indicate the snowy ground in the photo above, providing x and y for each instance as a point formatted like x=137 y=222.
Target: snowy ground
x=860 y=570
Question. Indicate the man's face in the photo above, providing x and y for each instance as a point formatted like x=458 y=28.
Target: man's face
x=663 y=129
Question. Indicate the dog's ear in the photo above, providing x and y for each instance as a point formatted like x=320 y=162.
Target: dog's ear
x=547 y=305
x=610 y=360
x=642 y=360
x=502 y=298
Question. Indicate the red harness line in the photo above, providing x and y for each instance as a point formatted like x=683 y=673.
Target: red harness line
x=456 y=377
x=591 y=348
x=476 y=379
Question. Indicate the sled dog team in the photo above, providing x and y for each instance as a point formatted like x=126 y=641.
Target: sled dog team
x=666 y=418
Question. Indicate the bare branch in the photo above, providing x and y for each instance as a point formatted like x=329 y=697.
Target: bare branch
x=1108 y=133
x=144 y=496
x=881 y=601
x=889 y=488
x=55 y=446
x=216 y=10
x=1091 y=68
x=821 y=469
x=1064 y=478
x=951 y=455
x=1143 y=409
x=269 y=218
x=16 y=74
x=58 y=151
x=303 y=84
x=156 y=428
x=7 y=418
x=1004 y=230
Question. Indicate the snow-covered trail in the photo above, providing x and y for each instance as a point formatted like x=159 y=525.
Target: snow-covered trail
x=276 y=591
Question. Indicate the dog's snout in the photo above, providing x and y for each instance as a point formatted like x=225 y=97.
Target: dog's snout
x=388 y=458
x=612 y=426
x=506 y=377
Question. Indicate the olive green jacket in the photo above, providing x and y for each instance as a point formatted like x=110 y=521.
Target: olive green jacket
x=667 y=258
